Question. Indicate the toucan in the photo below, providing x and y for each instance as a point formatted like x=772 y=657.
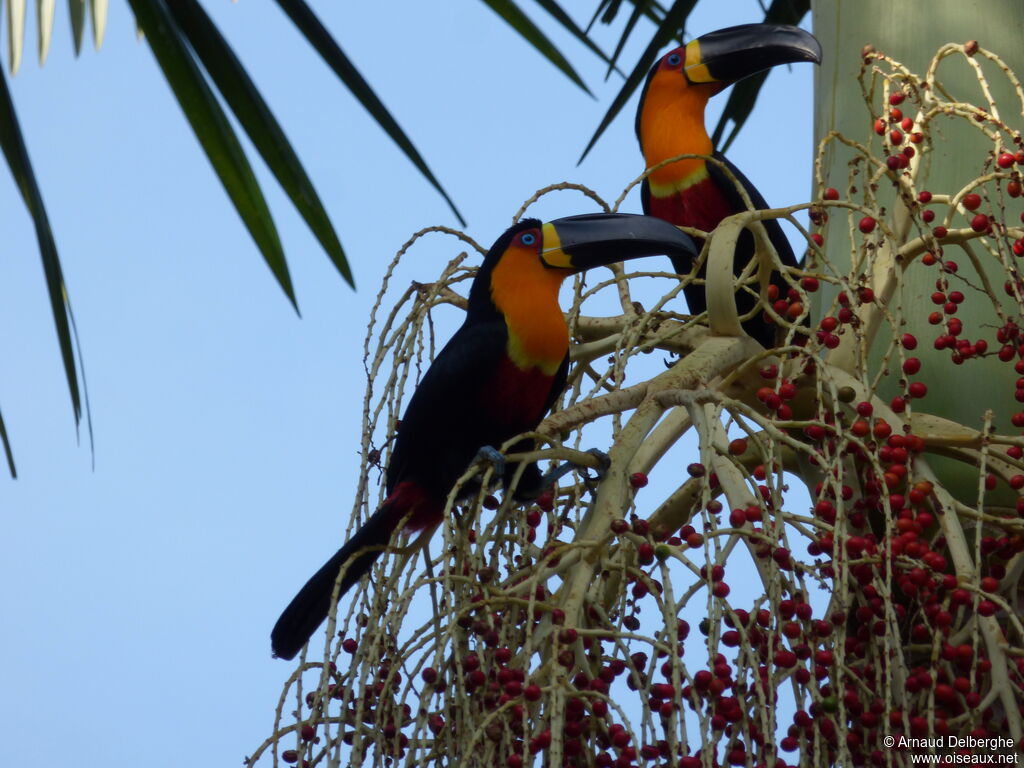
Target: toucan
x=497 y=377
x=670 y=121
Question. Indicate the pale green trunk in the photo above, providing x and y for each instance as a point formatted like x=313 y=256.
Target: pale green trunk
x=910 y=31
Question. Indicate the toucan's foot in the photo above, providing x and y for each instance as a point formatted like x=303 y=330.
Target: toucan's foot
x=491 y=455
x=556 y=474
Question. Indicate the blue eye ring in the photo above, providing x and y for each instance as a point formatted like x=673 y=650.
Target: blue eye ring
x=673 y=60
x=528 y=238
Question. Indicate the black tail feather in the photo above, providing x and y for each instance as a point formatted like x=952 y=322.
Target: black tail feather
x=310 y=606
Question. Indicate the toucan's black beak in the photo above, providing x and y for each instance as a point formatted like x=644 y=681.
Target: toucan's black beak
x=728 y=55
x=598 y=239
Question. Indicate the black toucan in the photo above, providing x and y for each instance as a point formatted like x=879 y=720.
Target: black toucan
x=496 y=377
x=670 y=122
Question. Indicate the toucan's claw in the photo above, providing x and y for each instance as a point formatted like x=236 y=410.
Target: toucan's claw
x=491 y=455
x=603 y=460
x=554 y=475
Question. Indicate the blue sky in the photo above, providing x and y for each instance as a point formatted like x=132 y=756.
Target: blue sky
x=138 y=596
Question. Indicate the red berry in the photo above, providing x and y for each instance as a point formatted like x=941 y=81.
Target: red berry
x=638 y=480
x=831 y=193
x=917 y=389
x=972 y=201
x=867 y=225
x=1005 y=160
x=645 y=553
x=924 y=196
x=979 y=223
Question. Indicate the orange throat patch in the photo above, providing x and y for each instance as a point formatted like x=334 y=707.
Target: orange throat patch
x=526 y=293
x=671 y=124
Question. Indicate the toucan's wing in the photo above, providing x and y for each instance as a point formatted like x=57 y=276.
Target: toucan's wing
x=728 y=189
x=441 y=428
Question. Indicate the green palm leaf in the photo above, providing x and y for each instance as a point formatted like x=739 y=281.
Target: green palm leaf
x=7 y=448
x=259 y=123
x=13 y=144
x=318 y=36
x=522 y=24
x=674 y=19
x=744 y=94
x=215 y=134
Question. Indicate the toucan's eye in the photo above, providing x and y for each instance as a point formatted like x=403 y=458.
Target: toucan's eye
x=673 y=60
x=528 y=238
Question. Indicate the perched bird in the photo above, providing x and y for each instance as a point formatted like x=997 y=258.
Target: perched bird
x=496 y=377
x=670 y=121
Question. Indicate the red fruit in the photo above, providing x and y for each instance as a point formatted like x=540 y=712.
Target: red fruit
x=940 y=232
x=290 y=756
x=1013 y=188
x=1005 y=160
x=809 y=284
x=972 y=201
x=911 y=366
x=532 y=692
x=349 y=645
x=645 y=553
x=638 y=480
x=924 y=196
x=909 y=341
x=880 y=127
x=897 y=97
x=917 y=389
x=619 y=527
x=867 y=225
x=979 y=223
x=785 y=659
x=738 y=446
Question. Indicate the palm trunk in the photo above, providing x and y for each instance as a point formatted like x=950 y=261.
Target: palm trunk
x=910 y=32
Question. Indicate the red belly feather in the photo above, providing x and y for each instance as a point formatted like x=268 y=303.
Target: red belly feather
x=702 y=206
x=515 y=400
